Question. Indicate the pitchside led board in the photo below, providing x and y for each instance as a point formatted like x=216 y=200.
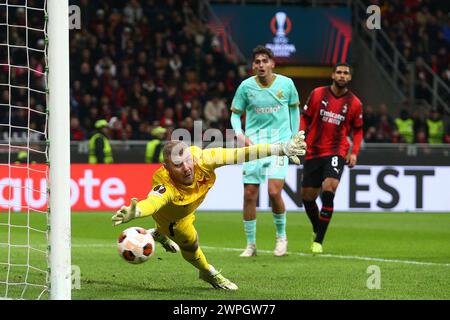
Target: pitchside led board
x=297 y=35
x=108 y=187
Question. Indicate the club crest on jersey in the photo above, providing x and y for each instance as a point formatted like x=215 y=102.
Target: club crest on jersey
x=202 y=180
x=280 y=94
x=345 y=108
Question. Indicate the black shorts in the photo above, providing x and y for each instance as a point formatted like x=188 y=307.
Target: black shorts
x=317 y=169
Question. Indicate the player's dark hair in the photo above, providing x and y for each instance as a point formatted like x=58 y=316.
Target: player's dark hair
x=262 y=50
x=343 y=64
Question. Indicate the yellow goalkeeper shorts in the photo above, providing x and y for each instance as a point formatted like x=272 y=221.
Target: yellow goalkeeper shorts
x=181 y=231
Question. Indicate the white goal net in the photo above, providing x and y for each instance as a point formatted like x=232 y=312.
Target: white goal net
x=25 y=220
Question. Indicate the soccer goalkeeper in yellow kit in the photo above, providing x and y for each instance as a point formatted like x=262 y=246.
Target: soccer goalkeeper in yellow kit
x=181 y=185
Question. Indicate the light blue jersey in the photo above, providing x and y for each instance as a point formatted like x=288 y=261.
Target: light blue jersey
x=266 y=108
x=268 y=111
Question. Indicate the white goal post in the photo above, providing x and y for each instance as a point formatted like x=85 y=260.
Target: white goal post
x=59 y=150
x=35 y=232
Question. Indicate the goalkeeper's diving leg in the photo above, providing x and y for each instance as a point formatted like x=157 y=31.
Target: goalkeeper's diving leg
x=184 y=234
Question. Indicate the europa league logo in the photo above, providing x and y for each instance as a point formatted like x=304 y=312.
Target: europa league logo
x=280 y=24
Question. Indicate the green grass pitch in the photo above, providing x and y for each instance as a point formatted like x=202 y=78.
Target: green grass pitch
x=411 y=250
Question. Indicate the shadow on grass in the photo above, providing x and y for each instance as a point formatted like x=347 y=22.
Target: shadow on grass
x=119 y=290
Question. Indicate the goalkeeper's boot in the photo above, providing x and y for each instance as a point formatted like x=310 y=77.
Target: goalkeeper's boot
x=250 y=251
x=280 y=247
x=217 y=280
x=167 y=244
x=316 y=248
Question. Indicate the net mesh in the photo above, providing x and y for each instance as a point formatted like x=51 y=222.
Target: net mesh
x=23 y=150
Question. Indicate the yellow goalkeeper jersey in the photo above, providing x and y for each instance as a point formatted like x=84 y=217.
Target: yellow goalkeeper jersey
x=168 y=201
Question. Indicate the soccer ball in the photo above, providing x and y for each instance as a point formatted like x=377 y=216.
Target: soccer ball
x=135 y=245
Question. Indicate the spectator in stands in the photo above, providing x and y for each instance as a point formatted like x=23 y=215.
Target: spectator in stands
x=370 y=118
x=157 y=112
x=447 y=134
x=105 y=67
x=420 y=126
x=180 y=113
x=214 y=111
x=147 y=55
x=224 y=122
x=383 y=124
x=370 y=135
x=424 y=24
x=188 y=124
x=99 y=147
x=384 y=129
x=116 y=129
x=153 y=150
x=133 y=12
x=383 y=112
x=167 y=119
x=446 y=75
x=134 y=121
x=175 y=63
x=421 y=136
x=77 y=133
x=405 y=126
x=435 y=128
x=22 y=157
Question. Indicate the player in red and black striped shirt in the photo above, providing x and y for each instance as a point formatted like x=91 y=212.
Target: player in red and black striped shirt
x=330 y=114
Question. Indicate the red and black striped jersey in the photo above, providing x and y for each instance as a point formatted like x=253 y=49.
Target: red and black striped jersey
x=327 y=120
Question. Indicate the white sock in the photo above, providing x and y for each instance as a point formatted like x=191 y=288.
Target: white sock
x=212 y=271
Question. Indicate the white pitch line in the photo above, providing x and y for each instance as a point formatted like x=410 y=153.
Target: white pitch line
x=326 y=255
x=93 y=245
x=302 y=254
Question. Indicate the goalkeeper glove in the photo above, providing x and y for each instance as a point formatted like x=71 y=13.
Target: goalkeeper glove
x=168 y=244
x=295 y=147
x=126 y=214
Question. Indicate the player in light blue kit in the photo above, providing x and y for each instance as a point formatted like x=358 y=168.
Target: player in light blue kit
x=271 y=104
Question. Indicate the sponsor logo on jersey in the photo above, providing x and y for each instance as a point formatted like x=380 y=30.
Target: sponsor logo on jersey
x=324 y=102
x=267 y=109
x=331 y=117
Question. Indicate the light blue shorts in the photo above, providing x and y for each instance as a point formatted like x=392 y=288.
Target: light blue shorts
x=257 y=171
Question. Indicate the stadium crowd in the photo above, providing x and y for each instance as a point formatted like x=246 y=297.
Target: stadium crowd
x=141 y=64
x=420 y=126
x=420 y=29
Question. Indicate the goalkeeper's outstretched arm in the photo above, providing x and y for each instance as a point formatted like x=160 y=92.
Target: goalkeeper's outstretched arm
x=143 y=208
x=223 y=156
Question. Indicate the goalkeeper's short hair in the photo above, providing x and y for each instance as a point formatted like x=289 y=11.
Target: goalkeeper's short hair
x=173 y=146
